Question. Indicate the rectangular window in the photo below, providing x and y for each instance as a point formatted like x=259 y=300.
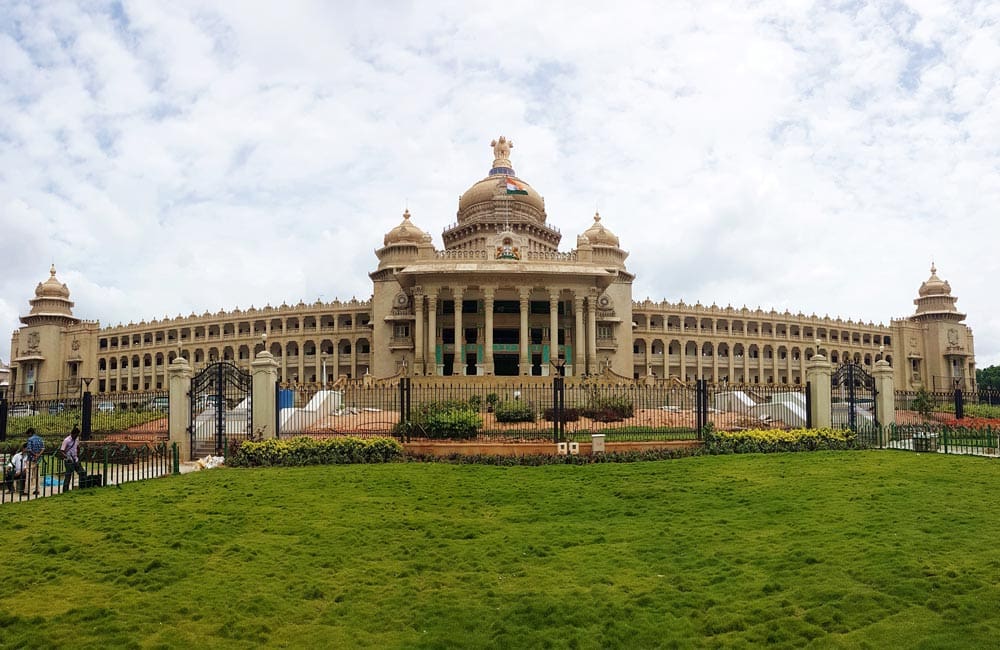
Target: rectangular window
x=401 y=331
x=472 y=335
x=448 y=335
x=536 y=335
x=604 y=331
x=470 y=306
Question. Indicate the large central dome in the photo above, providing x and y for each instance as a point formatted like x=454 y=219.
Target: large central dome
x=501 y=195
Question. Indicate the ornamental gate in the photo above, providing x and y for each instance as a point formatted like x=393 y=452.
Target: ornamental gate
x=853 y=399
x=220 y=408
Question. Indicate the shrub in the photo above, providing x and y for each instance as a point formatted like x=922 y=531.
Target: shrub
x=454 y=424
x=923 y=403
x=763 y=441
x=515 y=411
x=569 y=414
x=449 y=419
x=491 y=401
x=601 y=408
x=476 y=402
x=303 y=450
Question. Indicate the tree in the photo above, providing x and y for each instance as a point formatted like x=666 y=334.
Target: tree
x=988 y=377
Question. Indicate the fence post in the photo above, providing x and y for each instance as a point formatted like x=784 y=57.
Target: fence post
x=809 y=412
x=701 y=406
x=179 y=409
x=175 y=458
x=558 y=404
x=818 y=374
x=959 y=403
x=104 y=468
x=86 y=425
x=885 y=399
x=264 y=396
x=3 y=414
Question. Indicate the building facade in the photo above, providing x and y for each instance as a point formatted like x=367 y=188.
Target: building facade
x=500 y=299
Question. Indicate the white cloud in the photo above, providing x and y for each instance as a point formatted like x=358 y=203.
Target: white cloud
x=782 y=154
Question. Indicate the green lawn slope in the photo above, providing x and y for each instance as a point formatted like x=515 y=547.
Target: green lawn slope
x=830 y=549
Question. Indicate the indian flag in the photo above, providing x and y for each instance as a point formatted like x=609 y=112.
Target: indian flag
x=515 y=186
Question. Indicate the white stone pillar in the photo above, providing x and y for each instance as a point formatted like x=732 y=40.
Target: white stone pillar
x=579 y=343
x=418 y=334
x=489 y=367
x=524 y=359
x=431 y=353
x=592 y=362
x=179 y=375
x=818 y=373
x=264 y=371
x=459 y=333
x=885 y=398
x=553 y=325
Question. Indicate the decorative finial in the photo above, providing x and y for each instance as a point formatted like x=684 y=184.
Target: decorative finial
x=406 y=213
x=52 y=270
x=597 y=216
x=933 y=269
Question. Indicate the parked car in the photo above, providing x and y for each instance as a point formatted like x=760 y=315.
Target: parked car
x=105 y=407
x=21 y=410
x=57 y=408
x=158 y=404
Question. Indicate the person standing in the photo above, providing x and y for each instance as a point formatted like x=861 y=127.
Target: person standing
x=17 y=467
x=36 y=446
x=70 y=452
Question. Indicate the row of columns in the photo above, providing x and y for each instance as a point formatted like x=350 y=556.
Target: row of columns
x=584 y=309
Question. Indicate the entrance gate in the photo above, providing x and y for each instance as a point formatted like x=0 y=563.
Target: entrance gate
x=220 y=408
x=854 y=403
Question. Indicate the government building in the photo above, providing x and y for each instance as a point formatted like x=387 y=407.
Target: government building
x=499 y=299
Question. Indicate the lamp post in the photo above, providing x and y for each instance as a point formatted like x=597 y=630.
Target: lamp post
x=87 y=409
x=559 y=400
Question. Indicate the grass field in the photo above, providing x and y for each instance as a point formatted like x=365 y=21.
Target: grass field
x=830 y=549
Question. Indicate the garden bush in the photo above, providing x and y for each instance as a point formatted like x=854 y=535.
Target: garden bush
x=303 y=450
x=601 y=408
x=515 y=411
x=764 y=441
x=569 y=414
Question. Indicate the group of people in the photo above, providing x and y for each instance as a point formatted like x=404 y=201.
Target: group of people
x=21 y=471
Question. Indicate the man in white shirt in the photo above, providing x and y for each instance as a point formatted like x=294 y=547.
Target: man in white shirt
x=16 y=469
x=70 y=452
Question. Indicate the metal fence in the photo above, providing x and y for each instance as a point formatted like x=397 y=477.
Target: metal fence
x=513 y=411
x=142 y=412
x=104 y=464
x=940 y=438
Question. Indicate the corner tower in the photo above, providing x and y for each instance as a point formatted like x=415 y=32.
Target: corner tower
x=938 y=350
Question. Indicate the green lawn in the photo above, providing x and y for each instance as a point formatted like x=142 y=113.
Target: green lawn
x=834 y=549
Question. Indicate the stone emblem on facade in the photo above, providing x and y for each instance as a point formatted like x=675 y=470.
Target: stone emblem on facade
x=953 y=337
x=33 y=341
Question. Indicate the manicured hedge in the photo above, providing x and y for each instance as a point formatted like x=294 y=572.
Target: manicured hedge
x=764 y=441
x=515 y=411
x=310 y=451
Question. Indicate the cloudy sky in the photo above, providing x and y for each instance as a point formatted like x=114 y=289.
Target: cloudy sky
x=179 y=157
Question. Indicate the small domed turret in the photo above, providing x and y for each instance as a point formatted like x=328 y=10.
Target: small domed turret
x=405 y=233
x=598 y=235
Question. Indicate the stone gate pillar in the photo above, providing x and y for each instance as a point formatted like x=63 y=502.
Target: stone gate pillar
x=818 y=374
x=179 y=375
x=885 y=398
x=264 y=370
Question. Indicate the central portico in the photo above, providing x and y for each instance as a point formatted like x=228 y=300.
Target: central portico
x=501 y=299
